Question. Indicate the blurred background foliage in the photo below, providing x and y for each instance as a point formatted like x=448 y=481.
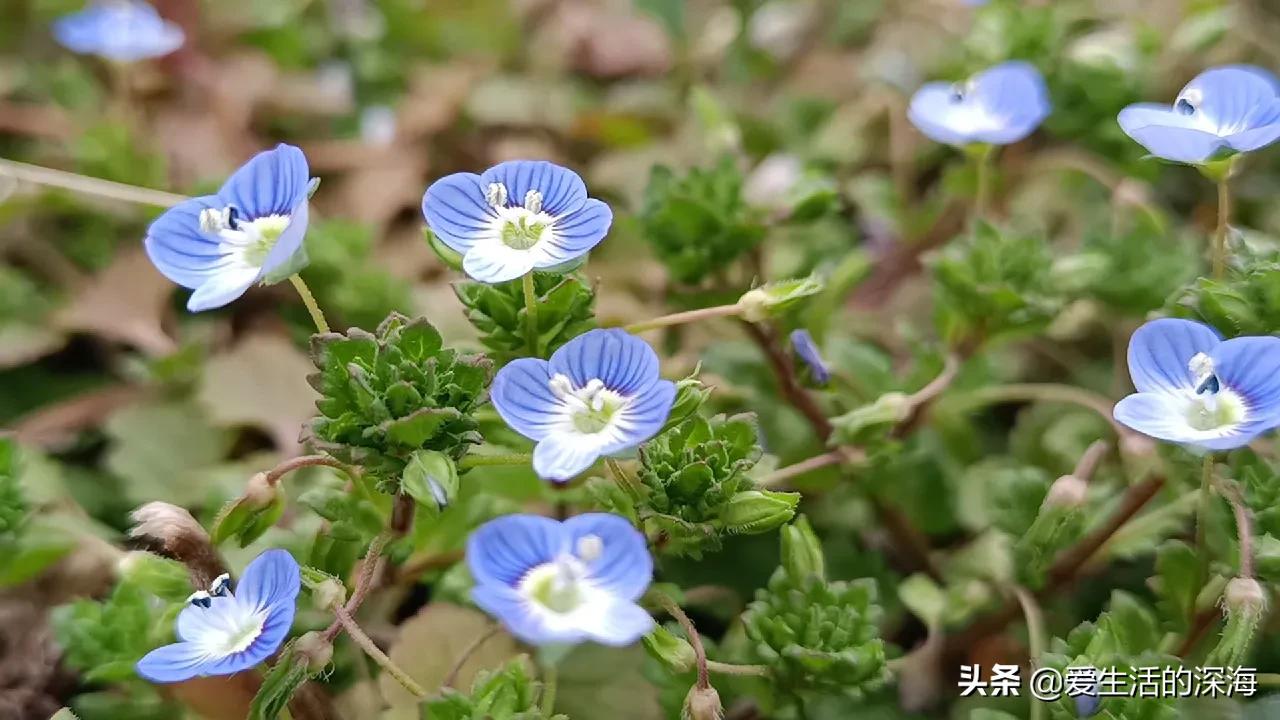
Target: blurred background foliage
x=738 y=142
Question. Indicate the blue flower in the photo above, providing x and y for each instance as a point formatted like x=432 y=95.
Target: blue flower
x=516 y=217
x=807 y=350
x=998 y=106
x=600 y=394
x=120 y=30
x=220 y=245
x=1196 y=389
x=1235 y=108
x=221 y=632
x=552 y=582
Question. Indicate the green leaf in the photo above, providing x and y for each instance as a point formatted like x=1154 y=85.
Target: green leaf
x=278 y=686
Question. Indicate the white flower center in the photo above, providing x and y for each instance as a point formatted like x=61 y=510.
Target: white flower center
x=559 y=585
x=248 y=242
x=591 y=407
x=230 y=626
x=1213 y=406
x=519 y=227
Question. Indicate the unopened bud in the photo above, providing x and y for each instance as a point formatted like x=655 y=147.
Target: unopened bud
x=757 y=511
x=757 y=304
x=1245 y=603
x=1244 y=595
x=1066 y=492
x=669 y=649
x=314 y=650
x=259 y=492
x=702 y=704
x=329 y=593
x=754 y=305
x=801 y=551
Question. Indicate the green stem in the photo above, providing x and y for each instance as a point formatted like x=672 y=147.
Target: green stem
x=550 y=677
x=474 y=461
x=1202 y=518
x=309 y=300
x=732 y=669
x=1244 y=523
x=1042 y=392
x=85 y=185
x=1220 y=234
x=685 y=317
x=623 y=479
x=982 y=160
x=530 y=313
x=1035 y=639
x=375 y=653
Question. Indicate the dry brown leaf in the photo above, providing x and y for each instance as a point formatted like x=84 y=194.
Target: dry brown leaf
x=124 y=303
x=436 y=96
x=607 y=43
x=58 y=424
x=260 y=382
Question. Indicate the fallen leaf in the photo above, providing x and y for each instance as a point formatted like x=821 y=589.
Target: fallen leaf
x=428 y=647
x=261 y=382
x=124 y=303
x=604 y=682
x=158 y=449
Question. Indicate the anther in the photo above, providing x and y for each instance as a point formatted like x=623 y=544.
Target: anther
x=533 y=201
x=221 y=585
x=496 y=195
x=200 y=598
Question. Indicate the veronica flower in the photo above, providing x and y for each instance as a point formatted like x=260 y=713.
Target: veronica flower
x=598 y=395
x=1197 y=389
x=223 y=632
x=807 y=350
x=1235 y=108
x=552 y=582
x=515 y=217
x=220 y=245
x=998 y=106
x=120 y=30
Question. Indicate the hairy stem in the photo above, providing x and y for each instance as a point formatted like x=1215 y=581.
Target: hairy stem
x=274 y=475
x=313 y=308
x=466 y=654
x=1035 y=639
x=1244 y=523
x=682 y=318
x=474 y=461
x=699 y=652
x=1220 y=233
x=733 y=669
x=982 y=161
x=782 y=475
x=1202 y=517
x=375 y=653
x=86 y=185
x=530 y=313
x=1042 y=392
x=550 y=679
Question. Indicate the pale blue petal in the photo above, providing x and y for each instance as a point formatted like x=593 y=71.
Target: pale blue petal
x=229 y=283
x=1015 y=93
x=1160 y=350
x=561 y=457
x=289 y=241
x=1264 y=129
x=504 y=549
x=123 y=31
x=624 y=567
x=493 y=262
x=577 y=232
x=522 y=396
x=563 y=191
x=1251 y=366
x=520 y=618
x=622 y=361
x=1228 y=96
x=1178 y=144
x=195 y=622
x=273 y=182
x=172 y=663
x=457 y=211
x=644 y=417
x=272 y=579
x=617 y=623
x=807 y=350
x=1156 y=414
x=178 y=249
x=933 y=112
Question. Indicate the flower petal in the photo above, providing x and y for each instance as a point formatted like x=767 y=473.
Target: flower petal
x=1265 y=129
x=1014 y=94
x=622 y=361
x=934 y=112
x=289 y=241
x=1160 y=350
x=272 y=579
x=644 y=417
x=1227 y=96
x=624 y=567
x=1251 y=367
x=575 y=234
x=502 y=550
x=564 y=457
x=1164 y=417
x=563 y=191
x=457 y=211
x=491 y=261
x=122 y=31
x=179 y=250
x=229 y=283
x=172 y=663
x=521 y=393
x=273 y=182
x=613 y=621
x=522 y=618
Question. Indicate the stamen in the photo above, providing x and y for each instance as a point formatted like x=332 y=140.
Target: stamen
x=496 y=195
x=590 y=547
x=221 y=585
x=1202 y=371
x=533 y=201
x=201 y=599
x=1187 y=103
x=561 y=386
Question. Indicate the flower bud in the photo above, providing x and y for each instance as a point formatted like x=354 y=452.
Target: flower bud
x=702 y=704
x=329 y=593
x=1245 y=603
x=1067 y=492
x=757 y=511
x=313 y=650
x=762 y=302
x=431 y=479
x=890 y=408
x=669 y=649
x=801 y=551
x=1244 y=595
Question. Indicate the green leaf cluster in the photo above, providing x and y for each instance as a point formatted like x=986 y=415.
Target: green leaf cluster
x=566 y=309
x=387 y=394
x=699 y=223
x=509 y=693
x=105 y=639
x=345 y=278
